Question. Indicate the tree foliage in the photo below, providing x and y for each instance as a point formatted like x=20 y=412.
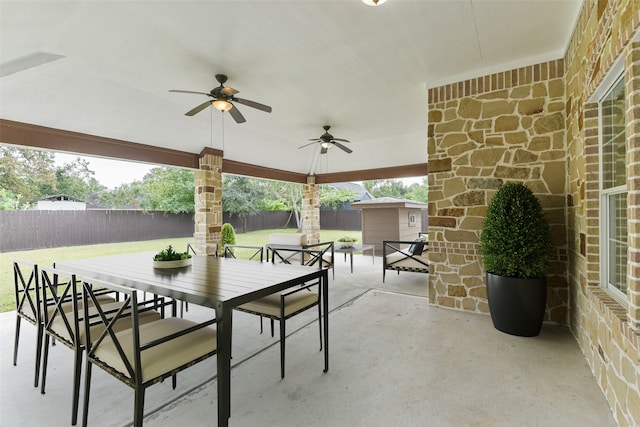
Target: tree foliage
x=23 y=175
x=331 y=198
x=168 y=189
x=396 y=188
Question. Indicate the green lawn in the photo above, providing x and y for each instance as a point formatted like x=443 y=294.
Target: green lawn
x=48 y=256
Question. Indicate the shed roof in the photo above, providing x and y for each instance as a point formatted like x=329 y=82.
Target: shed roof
x=389 y=202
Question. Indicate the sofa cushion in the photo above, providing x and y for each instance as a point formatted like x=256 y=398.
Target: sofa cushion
x=294 y=239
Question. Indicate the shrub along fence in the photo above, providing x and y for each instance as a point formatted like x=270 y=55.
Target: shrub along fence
x=35 y=229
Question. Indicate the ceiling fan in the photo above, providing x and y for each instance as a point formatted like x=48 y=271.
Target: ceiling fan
x=223 y=98
x=327 y=140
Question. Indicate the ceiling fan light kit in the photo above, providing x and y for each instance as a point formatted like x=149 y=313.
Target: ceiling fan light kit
x=223 y=99
x=222 y=105
x=327 y=141
x=373 y=2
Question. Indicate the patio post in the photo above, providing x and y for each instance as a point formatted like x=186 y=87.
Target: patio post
x=311 y=210
x=208 y=198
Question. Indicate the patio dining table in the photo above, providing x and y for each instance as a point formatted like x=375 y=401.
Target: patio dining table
x=219 y=283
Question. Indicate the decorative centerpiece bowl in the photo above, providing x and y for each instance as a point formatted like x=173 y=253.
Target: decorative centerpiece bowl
x=347 y=242
x=169 y=258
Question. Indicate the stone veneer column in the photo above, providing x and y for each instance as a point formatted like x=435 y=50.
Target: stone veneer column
x=311 y=210
x=208 y=198
x=484 y=132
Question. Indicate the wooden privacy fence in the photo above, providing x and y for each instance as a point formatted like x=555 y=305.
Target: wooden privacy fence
x=35 y=229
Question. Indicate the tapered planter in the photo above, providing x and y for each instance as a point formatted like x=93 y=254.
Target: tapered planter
x=517 y=305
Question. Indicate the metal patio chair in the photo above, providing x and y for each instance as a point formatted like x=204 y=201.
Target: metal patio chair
x=285 y=305
x=137 y=356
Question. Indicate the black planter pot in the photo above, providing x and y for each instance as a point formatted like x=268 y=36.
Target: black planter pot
x=517 y=305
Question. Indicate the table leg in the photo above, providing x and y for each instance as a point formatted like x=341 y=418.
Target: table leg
x=325 y=308
x=223 y=316
x=351 y=259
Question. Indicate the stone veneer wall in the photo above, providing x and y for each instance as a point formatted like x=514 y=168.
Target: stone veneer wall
x=607 y=331
x=311 y=210
x=208 y=198
x=484 y=132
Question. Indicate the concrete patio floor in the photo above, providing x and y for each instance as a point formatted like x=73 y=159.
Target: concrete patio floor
x=394 y=360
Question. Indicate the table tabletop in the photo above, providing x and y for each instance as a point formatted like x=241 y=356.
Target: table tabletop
x=219 y=283
x=354 y=248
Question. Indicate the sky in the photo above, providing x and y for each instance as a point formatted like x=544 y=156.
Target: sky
x=110 y=173
x=113 y=173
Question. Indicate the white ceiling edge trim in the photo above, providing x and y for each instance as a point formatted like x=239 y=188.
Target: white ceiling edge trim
x=482 y=72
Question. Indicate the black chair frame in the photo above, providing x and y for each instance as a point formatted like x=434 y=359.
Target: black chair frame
x=133 y=376
x=257 y=254
x=391 y=246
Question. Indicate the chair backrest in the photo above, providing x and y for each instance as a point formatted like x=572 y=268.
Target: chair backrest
x=26 y=282
x=121 y=351
x=60 y=316
x=198 y=248
x=252 y=253
x=306 y=257
x=325 y=252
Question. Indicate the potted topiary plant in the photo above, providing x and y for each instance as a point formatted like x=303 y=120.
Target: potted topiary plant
x=516 y=245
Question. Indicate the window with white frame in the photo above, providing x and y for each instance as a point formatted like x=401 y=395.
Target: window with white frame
x=613 y=189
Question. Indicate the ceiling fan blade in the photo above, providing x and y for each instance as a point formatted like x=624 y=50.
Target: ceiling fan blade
x=315 y=139
x=198 y=108
x=306 y=145
x=189 y=91
x=341 y=140
x=323 y=150
x=229 y=91
x=236 y=114
x=342 y=147
x=253 y=104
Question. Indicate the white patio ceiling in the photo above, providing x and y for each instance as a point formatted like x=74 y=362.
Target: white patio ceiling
x=105 y=68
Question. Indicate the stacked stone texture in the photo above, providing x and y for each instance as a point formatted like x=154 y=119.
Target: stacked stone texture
x=208 y=199
x=482 y=133
x=311 y=210
x=608 y=332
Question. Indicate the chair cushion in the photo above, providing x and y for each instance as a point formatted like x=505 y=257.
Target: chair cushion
x=270 y=305
x=399 y=259
x=294 y=239
x=417 y=247
x=164 y=357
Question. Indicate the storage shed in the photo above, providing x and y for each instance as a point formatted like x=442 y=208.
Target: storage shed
x=61 y=202
x=390 y=218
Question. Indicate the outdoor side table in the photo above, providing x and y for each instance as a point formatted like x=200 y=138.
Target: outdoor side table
x=356 y=248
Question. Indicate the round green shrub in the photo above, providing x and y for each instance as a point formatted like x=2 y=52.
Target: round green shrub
x=515 y=239
x=227 y=235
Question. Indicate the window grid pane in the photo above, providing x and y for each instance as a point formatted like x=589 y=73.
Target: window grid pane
x=618 y=241
x=613 y=137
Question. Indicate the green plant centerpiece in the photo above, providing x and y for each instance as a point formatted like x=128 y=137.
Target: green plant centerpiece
x=170 y=258
x=516 y=246
x=347 y=241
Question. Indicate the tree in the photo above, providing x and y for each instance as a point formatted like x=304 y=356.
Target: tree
x=418 y=192
x=386 y=188
x=125 y=196
x=331 y=198
x=75 y=179
x=168 y=189
x=243 y=196
x=23 y=172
